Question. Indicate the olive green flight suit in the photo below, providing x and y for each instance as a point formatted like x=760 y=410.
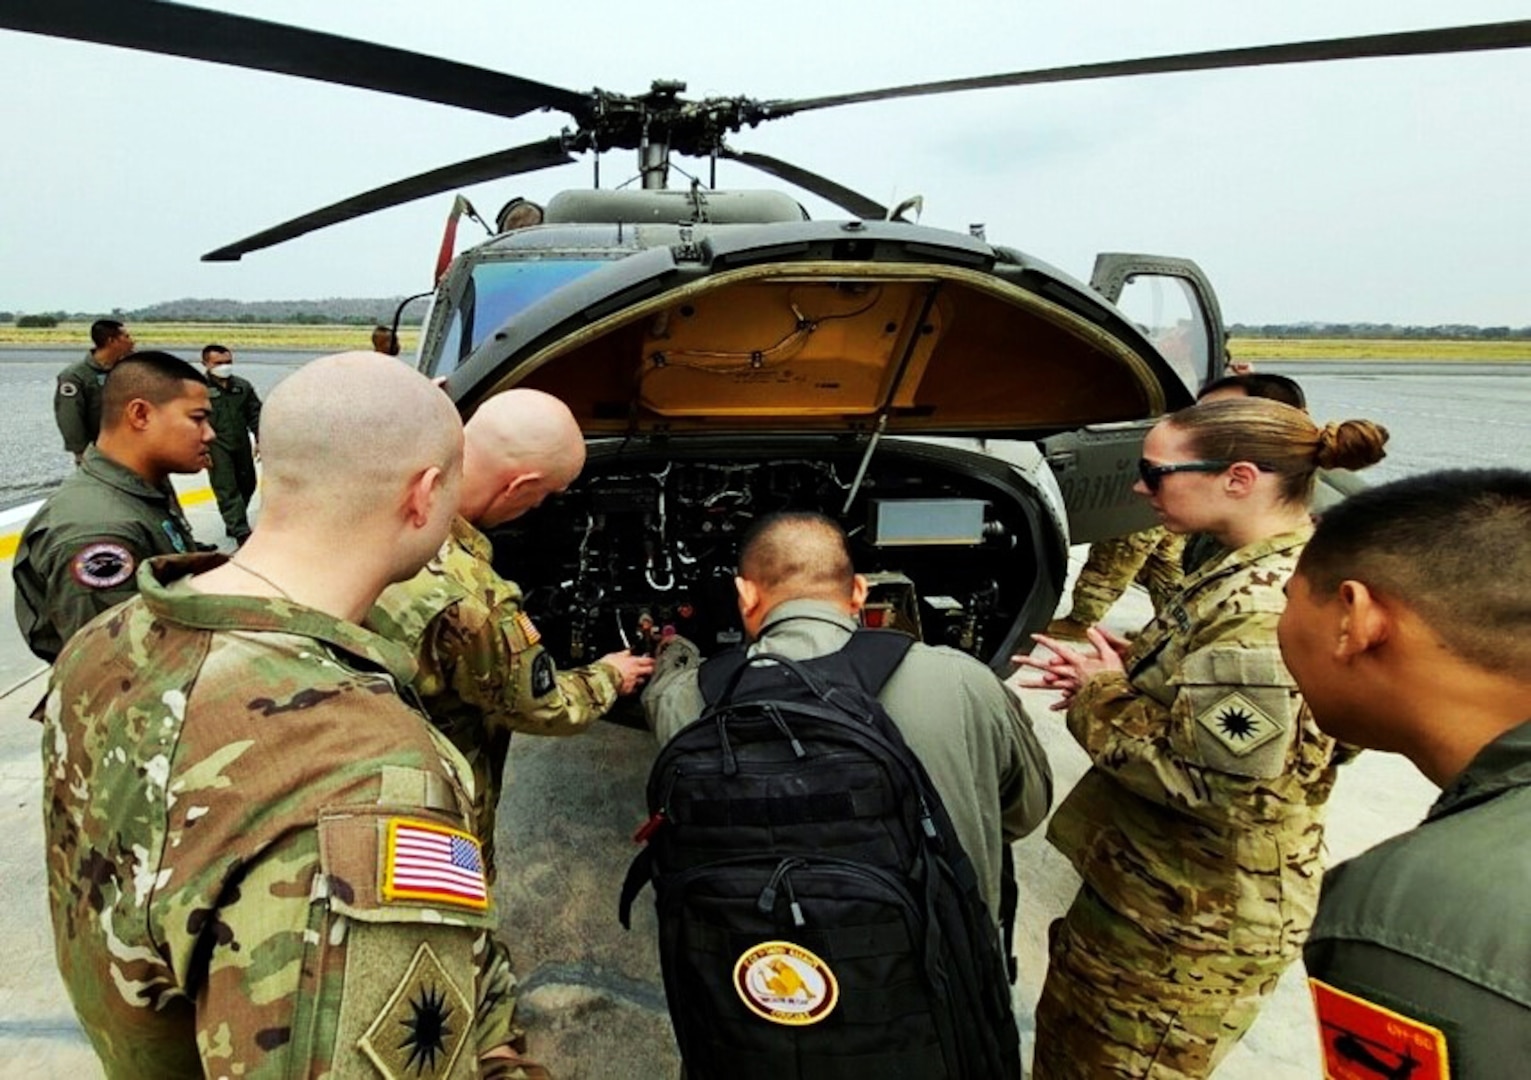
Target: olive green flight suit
x=235 y=418
x=77 y=403
x=1435 y=927
x=79 y=553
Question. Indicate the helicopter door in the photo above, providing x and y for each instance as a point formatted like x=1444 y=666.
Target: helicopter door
x=1172 y=302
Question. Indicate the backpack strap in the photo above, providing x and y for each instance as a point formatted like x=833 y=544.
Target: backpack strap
x=871 y=655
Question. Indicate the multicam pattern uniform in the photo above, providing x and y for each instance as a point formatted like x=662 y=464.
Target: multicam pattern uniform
x=219 y=772
x=1150 y=557
x=483 y=672
x=1198 y=833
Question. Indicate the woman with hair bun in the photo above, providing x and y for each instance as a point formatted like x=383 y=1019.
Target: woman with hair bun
x=1199 y=828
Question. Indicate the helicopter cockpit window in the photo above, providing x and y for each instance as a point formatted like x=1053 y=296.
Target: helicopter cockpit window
x=498 y=290
x=1169 y=313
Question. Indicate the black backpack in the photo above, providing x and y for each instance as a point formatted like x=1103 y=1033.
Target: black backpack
x=817 y=915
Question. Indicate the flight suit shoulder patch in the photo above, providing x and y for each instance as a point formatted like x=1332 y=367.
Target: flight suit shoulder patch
x=68 y=388
x=102 y=565
x=1362 y=1040
x=423 y=1025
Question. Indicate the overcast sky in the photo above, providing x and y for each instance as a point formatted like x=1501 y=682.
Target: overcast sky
x=1383 y=190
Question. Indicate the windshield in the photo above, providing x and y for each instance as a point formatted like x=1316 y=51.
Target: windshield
x=499 y=290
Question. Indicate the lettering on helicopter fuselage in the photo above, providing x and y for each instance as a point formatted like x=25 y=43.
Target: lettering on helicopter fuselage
x=1082 y=494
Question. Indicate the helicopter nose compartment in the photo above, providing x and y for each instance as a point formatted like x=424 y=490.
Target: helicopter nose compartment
x=952 y=540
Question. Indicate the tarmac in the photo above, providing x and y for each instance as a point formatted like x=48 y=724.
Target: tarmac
x=592 y=1001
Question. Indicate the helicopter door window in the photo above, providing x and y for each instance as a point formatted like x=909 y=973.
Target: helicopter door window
x=1169 y=313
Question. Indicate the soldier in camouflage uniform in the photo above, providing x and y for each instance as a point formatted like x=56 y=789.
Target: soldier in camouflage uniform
x=483 y=672
x=79 y=553
x=77 y=396
x=1199 y=829
x=1150 y=557
x=259 y=857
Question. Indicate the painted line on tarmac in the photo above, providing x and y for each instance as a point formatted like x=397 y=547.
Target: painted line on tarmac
x=11 y=540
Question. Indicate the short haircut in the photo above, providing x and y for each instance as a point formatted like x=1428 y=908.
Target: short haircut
x=799 y=552
x=1454 y=546
x=208 y=350
x=1261 y=385
x=103 y=331
x=155 y=377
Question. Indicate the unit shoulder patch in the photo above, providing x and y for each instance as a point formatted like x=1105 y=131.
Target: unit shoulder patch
x=1239 y=724
x=544 y=675
x=1363 y=1041
x=68 y=389
x=424 y=1024
x=102 y=565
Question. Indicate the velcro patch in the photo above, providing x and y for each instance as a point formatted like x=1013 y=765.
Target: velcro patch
x=528 y=628
x=423 y=1026
x=68 y=389
x=433 y=863
x=544 y=675
x=1363 y=1041
x=1239 y=724
x=102 y=565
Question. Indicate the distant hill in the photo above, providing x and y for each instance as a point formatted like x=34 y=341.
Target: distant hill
x=336 y=309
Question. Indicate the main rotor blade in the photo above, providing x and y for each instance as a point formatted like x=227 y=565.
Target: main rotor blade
x=521 y=159
x=157 y=26
x=1456 y=39
x=821 y=186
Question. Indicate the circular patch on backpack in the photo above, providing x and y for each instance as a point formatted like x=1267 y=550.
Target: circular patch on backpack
x=102 y=566
x=786 y=984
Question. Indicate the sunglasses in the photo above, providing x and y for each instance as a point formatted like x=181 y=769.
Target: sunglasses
x=1153 y=475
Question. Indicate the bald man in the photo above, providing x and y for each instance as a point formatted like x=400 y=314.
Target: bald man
x=260 y=859
x=483 y=672
x=79 y=553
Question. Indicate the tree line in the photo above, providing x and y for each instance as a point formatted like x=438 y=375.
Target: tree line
x=340 y=311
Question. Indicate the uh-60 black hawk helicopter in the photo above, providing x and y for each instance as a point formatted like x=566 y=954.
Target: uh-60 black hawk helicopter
x=938 y=393
x=962 y=407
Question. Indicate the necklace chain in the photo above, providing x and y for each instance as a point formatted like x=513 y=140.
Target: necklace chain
x=257 y=574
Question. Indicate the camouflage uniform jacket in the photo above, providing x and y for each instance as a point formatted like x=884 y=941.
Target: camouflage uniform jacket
x=79 y=552
x=1202 y=817
x=77 y=403
x=242 y=843
x=483 y=672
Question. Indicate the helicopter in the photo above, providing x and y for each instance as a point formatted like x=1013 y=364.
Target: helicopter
x=964 y=409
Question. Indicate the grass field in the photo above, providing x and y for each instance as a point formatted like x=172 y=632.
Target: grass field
x=1358 y=349
x=192 y=336
x=281 y=336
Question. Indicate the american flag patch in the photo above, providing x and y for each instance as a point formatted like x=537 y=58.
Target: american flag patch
x=432 y=862
x=528 y=629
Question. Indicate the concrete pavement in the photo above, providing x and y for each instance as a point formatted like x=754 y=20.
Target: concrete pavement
x=592 y=1000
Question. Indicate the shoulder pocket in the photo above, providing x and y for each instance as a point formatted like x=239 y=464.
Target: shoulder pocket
x=403 y=864
x=1241 y=709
